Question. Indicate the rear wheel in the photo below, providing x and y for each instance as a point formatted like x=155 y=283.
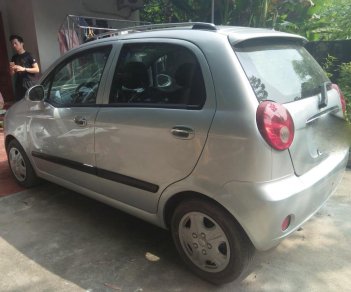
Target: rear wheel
x=20 y=165
x=210 y=241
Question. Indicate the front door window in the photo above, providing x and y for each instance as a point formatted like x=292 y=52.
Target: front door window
x=76 y=81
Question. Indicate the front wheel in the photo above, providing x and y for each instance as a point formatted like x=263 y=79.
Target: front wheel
x=20 y=165
x=210 y=241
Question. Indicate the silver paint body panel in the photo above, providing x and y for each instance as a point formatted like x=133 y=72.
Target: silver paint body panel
x=226 y=160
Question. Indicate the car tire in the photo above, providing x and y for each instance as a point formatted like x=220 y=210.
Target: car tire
x=210 y=241
x=20 y=165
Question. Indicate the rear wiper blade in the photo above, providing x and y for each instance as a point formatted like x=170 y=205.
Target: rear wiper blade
x=323 y=102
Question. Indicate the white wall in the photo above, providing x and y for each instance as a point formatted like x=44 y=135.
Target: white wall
x=18 y=19
x=50 y=14
x=38 y=22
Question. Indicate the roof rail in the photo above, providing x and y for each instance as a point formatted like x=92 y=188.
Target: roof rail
x=205 y=26
x=78 y=29
x=142 y=28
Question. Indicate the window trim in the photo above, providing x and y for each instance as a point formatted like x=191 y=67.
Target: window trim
x=152 y=105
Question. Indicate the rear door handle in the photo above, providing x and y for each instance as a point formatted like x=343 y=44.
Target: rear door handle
x=80 y=121
x=183 y=132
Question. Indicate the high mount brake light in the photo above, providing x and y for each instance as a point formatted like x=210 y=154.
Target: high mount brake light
x=275 y=125
x=342 y=98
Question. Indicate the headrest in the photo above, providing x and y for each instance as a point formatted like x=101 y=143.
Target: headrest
x=184 y=74
x=134 y=75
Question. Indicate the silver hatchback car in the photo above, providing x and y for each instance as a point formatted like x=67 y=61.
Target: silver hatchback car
x=228 y=136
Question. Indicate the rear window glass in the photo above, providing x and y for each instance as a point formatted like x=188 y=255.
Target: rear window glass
x=282 y=73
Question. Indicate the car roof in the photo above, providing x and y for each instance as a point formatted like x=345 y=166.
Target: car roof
x=191 y=31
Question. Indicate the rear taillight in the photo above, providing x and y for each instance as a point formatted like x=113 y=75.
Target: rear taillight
x=342 y=98
x=275 y=124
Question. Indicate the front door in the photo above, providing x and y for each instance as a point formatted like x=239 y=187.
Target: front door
x=155 y=126
x=62 y=128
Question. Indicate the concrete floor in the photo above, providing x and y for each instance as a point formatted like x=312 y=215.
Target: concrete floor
x=52 y=239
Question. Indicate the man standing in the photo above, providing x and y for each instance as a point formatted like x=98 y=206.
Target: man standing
x=23 y=66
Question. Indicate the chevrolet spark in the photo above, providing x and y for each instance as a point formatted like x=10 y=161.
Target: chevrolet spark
x=227 y=136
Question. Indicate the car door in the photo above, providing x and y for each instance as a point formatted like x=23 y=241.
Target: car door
x=155 y=123
x=62 y=128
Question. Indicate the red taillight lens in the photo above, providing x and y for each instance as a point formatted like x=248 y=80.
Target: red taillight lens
x=342 y=98
x=286 y=223
x=275 y=124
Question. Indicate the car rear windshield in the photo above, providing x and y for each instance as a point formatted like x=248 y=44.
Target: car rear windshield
x=281 y=72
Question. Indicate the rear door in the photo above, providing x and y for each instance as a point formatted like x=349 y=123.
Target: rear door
x=283 y=71
x=155 y=123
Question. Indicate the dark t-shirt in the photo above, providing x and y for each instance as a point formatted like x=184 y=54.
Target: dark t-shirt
x=23 y=80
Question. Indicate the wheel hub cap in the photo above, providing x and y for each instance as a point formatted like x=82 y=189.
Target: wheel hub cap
x=17 y=164
x=204 y=242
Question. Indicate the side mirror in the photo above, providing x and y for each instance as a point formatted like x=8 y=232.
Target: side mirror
x=35 y=93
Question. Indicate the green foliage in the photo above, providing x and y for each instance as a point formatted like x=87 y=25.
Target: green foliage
x=329 y=20
x=165 y=11
x=192 y=10
x=256 y=13
x=344 y=80
x=329 y=66
x=156 y=11
x=318 y=20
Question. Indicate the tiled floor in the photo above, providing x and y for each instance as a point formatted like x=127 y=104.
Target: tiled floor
x=7 y=183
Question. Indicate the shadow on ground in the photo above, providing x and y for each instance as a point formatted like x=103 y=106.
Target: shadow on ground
x=90 y=244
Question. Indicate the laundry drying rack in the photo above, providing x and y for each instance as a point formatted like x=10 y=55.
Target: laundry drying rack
x=76 y=30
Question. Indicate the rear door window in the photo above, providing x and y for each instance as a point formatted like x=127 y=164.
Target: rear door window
x=281 y=72
x=158 y=75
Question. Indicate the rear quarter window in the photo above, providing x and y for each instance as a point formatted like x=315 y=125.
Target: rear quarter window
x=280 y=72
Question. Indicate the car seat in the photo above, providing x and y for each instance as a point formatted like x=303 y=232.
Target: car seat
x=130 y=83
x=183 y=77
x=134 y=81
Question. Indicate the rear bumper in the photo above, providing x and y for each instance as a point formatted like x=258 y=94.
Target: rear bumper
x=261 y=208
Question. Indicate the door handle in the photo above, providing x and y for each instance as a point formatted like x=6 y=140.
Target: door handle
x=80 y=121
x=182 y=132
